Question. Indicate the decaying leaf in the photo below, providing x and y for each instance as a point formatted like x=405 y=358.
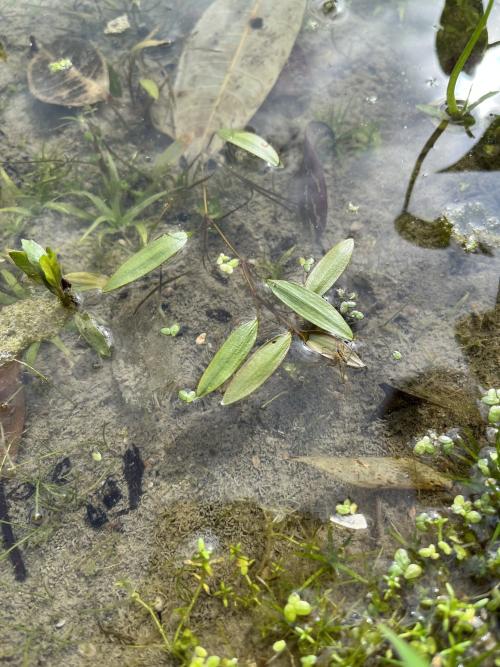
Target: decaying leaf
x=312 y=191
x=69 y=72
x=335 y=349
x=12 y=410
x=229 y=64
x=117 y=26
x=377 y=472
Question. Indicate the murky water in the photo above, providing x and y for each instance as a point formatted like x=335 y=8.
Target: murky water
x=108 y=449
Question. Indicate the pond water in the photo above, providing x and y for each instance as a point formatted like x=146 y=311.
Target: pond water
x=113 y=470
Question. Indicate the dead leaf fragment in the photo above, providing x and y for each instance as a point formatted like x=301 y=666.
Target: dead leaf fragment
x=229 y=64
x=117 y=26
x=377 y=472
x=69 y=72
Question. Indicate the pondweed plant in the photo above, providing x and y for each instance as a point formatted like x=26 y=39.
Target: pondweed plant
x=317 y=601
x=325 y=331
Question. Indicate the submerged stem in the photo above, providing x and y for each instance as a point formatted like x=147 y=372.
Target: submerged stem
x=453 y=109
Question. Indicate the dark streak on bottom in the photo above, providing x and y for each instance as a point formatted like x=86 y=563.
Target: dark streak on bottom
x=133 y=470
x=9 y=540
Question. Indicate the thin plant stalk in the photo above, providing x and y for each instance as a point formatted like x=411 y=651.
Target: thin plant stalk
x=452 y=106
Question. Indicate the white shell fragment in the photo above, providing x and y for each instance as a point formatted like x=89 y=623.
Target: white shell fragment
x=117 y=26
x=351 y=521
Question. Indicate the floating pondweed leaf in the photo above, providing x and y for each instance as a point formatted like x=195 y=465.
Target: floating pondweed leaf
x=95 y=334
x=335 y=349
x=69 y=72
x=229 y=358
x=330 y=267
x=312 y=192
x=257 y=369
x=376 y=472
x=253 y=144
x=229 y=64
x=12 y=410
x=147 y=259
x=456 y=25
x=311 y=307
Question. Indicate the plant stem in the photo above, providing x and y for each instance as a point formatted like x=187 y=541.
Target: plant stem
x=453 y=109
x=150 y=610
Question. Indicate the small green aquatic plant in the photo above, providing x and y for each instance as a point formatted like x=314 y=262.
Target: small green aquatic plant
x=307 y=302
x=315 y=599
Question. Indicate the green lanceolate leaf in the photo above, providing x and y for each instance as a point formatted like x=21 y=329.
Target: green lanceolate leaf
x=258 y=368
x=51 y=269
x=408 y=655
x=146 y=260
x=330 y=267
x=311 y=307
x=253 y=144
x=229 y=358
x=33 y=251
x=20 y=259
x=95 y=334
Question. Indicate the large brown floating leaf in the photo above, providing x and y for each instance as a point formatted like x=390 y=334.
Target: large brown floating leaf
x=377 y=472
x=12 y=410
x=69 y=72
x=230 y=62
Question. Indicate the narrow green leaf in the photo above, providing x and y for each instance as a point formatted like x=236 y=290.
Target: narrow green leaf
x=330 y=267
x=146 y=260
x=33 y=251
x=407 y=653
x=95 y=334
x=150 y=87
x=258 y=368
x=51 y=269
x=170 y=156
x=253 y=144
x=132 y=213
x=228 y=358
x=69 y=209
x=482 y=99
x=20 y=259
x=312 y=307
x=83 y=280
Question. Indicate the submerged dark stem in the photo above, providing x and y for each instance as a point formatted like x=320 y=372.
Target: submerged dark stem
x=428 y=146
x=8 y=538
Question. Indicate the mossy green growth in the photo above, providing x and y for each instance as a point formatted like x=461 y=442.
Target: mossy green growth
x=28 y=321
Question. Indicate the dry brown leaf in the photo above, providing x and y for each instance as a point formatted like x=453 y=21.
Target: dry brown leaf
x=82 y=77
x=375 y=472
x=230 y=62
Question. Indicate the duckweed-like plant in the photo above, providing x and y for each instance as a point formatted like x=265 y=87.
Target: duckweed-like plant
x=431 y=602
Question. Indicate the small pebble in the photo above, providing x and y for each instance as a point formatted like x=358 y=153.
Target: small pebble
x=200 y=340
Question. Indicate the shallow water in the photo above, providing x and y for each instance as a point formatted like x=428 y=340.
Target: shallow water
x=363 y=72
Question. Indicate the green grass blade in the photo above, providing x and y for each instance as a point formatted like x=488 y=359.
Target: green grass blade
x=69 y=209
x=132 y=213
x=409 y=657
x=146 y=260
x=98 y=221
x=228 y=358
x=258 y=368
x=330 y=267
x=99 y=203
x=312 y=307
